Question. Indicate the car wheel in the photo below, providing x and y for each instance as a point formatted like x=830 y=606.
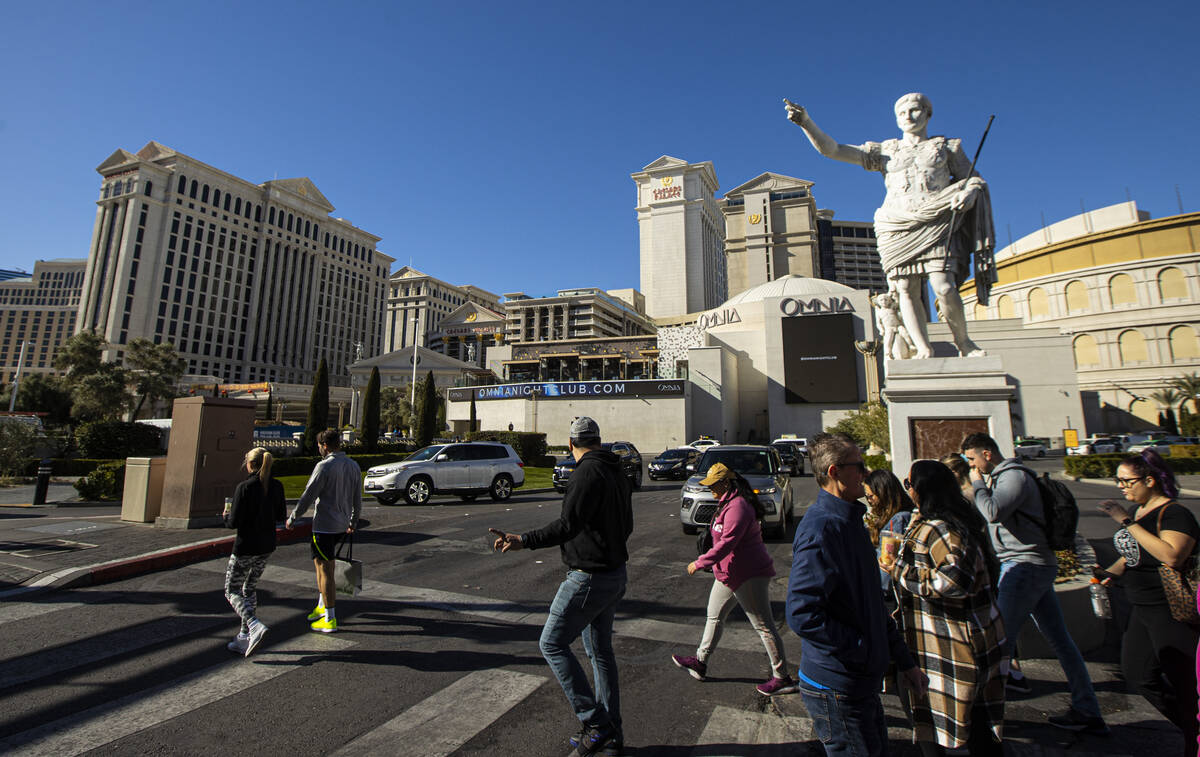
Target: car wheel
x=418 y=491
x=502 y=487
x=637 y=479
x=468 y=497
x=386 y=499
x=1041 y=453
x=690 y=530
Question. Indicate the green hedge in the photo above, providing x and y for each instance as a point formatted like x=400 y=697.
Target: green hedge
x=1105 y=466
x=530 y=447
x=77 y=466
x=106 y=482
x=302 y=466
x=117 y=439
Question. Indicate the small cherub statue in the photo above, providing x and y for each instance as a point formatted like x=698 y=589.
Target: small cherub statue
x=897 y=344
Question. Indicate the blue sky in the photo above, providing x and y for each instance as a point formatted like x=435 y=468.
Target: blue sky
x=491 y=143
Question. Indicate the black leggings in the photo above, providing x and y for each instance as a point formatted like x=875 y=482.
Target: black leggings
x=1158 y=656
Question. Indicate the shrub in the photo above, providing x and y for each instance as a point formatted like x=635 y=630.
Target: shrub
x=302 y=466
x=106 y=482
x=530 y=447
x=1105 y=466
x=877 y=462
x=117 y=439
x=18 y=441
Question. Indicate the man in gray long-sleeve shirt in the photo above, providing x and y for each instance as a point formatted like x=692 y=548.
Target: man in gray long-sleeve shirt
x=1007 y=495
x=335 y=490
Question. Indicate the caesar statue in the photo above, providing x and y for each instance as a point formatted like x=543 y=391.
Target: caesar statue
x=930 y=186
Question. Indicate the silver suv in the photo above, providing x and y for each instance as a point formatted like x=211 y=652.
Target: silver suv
x=762 y=469
x=467 y=469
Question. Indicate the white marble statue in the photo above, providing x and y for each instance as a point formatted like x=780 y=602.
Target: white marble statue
x=897 y=344
x=927 y=184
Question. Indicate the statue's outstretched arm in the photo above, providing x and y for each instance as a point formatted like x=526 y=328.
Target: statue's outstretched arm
x=824 y=144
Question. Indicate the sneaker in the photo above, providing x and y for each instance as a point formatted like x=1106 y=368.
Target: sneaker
x=1074 y=720
x=775 y=686
x=591 y=740
x=324 y=626
x=615 y=748
x=257 y=632
x=317 y=613
x=238 y=645
x=1018 y=685
x=692 y=665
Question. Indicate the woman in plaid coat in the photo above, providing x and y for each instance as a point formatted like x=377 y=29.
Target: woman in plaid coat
x=945 y=578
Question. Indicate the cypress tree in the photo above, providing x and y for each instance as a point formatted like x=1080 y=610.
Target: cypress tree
x=318 y=409
x=471 y=423
x=370 y=427
x=1162 y=420
x=427 y=411
x=1172 y=424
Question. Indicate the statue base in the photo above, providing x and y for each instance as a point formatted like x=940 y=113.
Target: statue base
x=935 y=402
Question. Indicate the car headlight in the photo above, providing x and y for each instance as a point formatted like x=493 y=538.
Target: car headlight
x=690 y=489
x=766 y=490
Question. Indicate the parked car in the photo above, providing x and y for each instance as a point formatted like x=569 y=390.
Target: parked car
x=762 y=468
x=1029 y=448
x=703 y=443
x=467 y=469
x=1096 y=445
x=673 y=463
x=631 y=465
x=1161 y=445
x=791 y=456
x=800 y=442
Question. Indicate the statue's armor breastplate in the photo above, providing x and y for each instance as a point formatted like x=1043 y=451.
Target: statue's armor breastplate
x=914 y=172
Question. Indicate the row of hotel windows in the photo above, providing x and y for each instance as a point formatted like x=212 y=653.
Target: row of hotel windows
x=1132 y=348
x=1122 y=290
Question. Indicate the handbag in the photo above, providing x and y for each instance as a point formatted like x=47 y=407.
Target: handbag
x=347 y=572
x=1179 y=585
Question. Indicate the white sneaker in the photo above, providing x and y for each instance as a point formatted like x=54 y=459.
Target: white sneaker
x=257 y=632
x=239 y=644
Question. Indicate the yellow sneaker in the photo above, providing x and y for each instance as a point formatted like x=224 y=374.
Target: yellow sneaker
x=316 y=614
x=324 y=626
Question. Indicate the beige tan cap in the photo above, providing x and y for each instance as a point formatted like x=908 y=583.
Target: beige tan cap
x=718 y=472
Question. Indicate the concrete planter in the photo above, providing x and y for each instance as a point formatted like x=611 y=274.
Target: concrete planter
x=1075 y=599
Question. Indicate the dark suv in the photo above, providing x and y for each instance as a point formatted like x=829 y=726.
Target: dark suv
x=791 y=456
x=673 y=463
x=631 y=465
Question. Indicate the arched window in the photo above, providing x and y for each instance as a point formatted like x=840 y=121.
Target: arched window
x=182 y=185
x=271 y=216
x=1004 y=304
x=289 y=221
x=327 y=239
x=1132 y=346
x=307 y=229
x=204 y=194
x=258 y=213
x=228 y=201
x=1172 y=285
x=246 y=208
x=128 y=185
x=1183 y=343
x=1039 y=303
x=216 y=198
x=237 y=205
x=1077 y=297
x=1122 y=290
x=194 y=189
x=149 y=189
x=107 y=190
x=1086 y=352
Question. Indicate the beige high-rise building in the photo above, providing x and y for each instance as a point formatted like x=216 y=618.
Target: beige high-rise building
x=682 y=237
x=251 y=282
x=770 y=231
x=587 y=313
x=38 y=310
x=416 y=296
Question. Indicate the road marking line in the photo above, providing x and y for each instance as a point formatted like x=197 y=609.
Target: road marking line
x=440 y=724
x=136 y=712
x=94 y=649
x=740 y=639
x=762 y=733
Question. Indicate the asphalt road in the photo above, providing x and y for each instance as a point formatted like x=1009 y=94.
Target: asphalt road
x=439 y=657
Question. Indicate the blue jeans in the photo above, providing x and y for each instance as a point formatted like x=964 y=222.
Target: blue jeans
x=585 y=605
x=1027 y=589
x=846 y=725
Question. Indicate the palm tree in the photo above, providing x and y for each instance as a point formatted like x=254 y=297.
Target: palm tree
x=1189 y=385
x=1168 y=397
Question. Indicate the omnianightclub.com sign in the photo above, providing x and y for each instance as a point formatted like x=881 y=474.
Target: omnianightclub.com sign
x=554 y=390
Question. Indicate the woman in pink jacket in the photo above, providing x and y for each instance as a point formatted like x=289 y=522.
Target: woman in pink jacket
x=742 y=569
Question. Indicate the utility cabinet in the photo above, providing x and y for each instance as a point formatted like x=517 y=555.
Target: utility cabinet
x=210 y=437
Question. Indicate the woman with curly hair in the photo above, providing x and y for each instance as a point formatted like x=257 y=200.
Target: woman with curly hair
x=1156 y=649
x=945 y=577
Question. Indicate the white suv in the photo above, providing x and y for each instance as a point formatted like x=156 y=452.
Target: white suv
x=467 y=469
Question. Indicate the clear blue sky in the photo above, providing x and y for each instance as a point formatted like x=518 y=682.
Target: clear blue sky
x=491 y=142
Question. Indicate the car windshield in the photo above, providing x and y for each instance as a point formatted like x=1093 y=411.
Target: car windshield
x=782 y=447
x=425 y=454
x=673 y=454
x=748 y=462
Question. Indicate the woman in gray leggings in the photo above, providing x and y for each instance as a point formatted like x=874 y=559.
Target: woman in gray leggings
x=742 y=570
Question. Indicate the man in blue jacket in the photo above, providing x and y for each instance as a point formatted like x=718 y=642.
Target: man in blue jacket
x=834 y=605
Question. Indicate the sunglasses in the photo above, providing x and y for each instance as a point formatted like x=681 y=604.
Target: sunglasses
x=1125 y=483
x=907 y=484
x=860 y=465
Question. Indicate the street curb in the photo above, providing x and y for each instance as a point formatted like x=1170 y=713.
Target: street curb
x=128 y=567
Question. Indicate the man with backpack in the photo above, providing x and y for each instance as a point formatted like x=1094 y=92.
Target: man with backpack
x=1025 y=515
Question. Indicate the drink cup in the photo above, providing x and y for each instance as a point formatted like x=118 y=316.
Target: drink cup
x=889 y=545
x=228 y=504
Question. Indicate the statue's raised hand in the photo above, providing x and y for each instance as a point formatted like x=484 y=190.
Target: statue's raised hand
x=795 y=113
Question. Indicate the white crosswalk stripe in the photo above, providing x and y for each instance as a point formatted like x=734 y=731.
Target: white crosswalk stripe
x=731 y=732
x=106 y=723
x=450 y=718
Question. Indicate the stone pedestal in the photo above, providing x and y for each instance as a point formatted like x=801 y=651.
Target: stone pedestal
x=934 y=403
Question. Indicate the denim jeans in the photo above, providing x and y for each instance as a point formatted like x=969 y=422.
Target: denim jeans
x=585 y=605
x=846 y=725
x=1028 y=590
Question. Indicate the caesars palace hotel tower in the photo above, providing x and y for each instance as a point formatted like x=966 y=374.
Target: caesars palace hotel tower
x=681 y=231
x=250 y=282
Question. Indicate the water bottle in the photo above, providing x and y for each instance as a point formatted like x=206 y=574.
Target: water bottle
x=1101 y=605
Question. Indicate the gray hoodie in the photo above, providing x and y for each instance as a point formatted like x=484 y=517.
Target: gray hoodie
x=336 y=488
x=1012 y=505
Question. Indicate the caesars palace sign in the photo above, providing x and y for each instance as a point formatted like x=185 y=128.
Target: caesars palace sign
x=788 y=306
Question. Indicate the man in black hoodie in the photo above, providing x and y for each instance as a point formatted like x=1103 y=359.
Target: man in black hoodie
x=596 y=520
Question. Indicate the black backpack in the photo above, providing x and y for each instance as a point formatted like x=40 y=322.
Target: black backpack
x=1060 y=514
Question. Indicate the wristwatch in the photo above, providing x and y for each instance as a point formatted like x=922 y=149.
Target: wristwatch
x=1127 y=522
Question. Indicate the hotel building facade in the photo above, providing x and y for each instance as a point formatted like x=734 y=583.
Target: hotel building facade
x=418 y=303
x=250 y=282
x=38 y=310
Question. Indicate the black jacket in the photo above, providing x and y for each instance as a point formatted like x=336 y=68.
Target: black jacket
x=597 y=516
x=254 y=514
